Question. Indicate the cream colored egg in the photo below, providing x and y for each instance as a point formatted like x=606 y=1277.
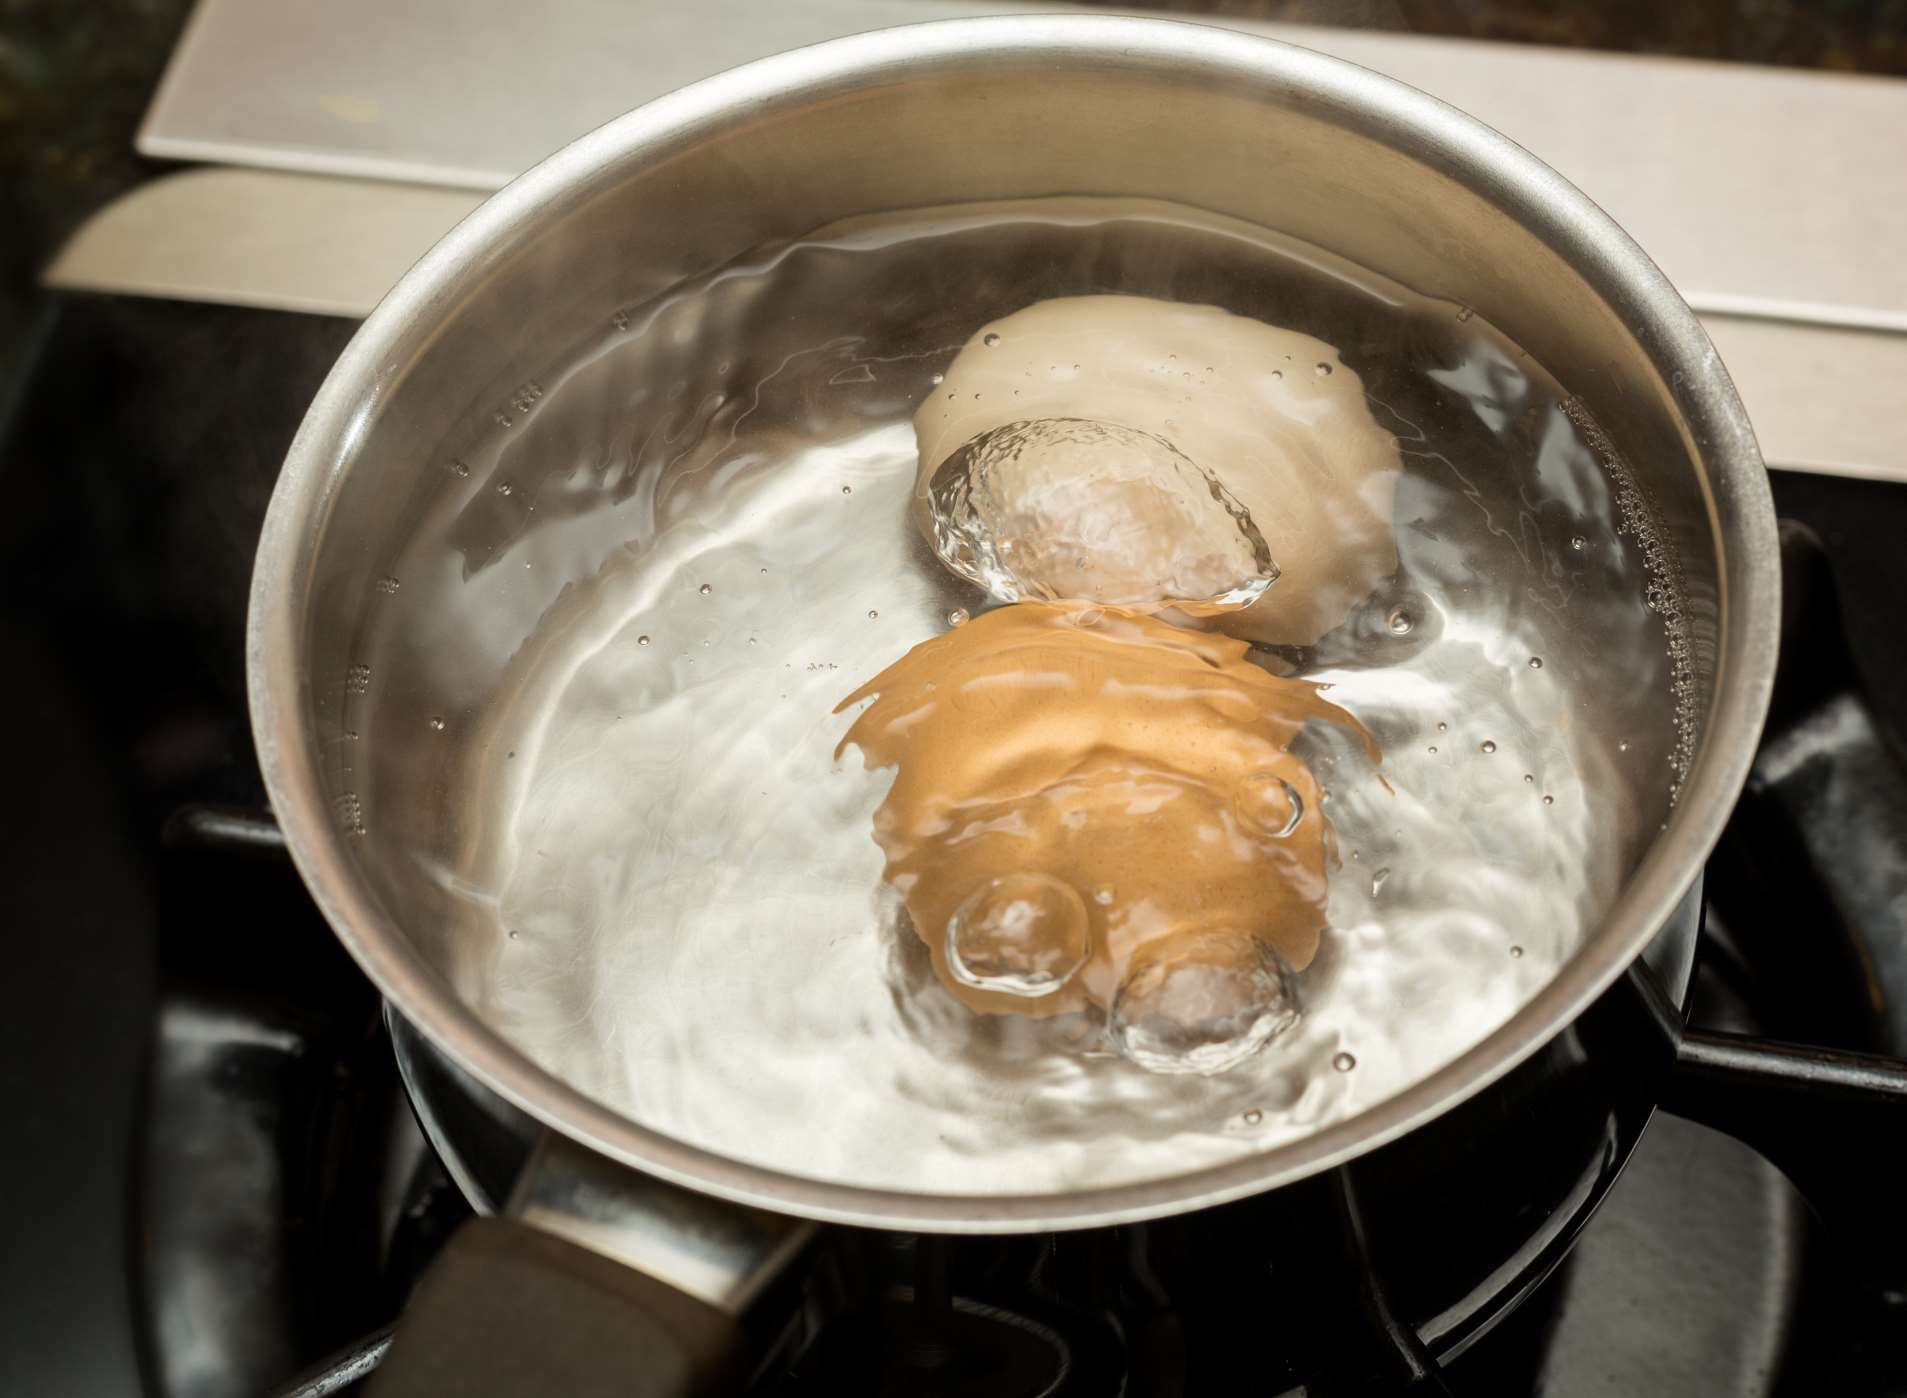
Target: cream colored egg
x=1272 y=414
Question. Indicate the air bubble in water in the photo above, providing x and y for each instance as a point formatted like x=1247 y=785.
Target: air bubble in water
x=1017 y=507
x=957 y=617
x=847 y=490
x=705 y=589
x=1400 y=622
x=1536 y=662
x=436 y=724
x=873 y=616
x=504 y=488
x=642 y=640
x=1464 y=314
x=1486 y=746
x=1023 y=934
x=1253 y=1116
x=387 y=585
x=1662 y=563
x=1578 y=542
x=1324 y=371
x=1202 y=1004
x=1549 y=800
x=1343 y=1062
x=1443 y=728
x=1267 y=804
x=990 y=341
x=1516 y=951
x=937 y=379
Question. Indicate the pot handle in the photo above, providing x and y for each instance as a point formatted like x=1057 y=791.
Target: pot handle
x=1829 y=1120
x=601 y=1282
x=507 y=1309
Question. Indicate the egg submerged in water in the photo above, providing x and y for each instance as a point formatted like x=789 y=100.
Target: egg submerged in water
x=1146 y=453
x=1095 y=809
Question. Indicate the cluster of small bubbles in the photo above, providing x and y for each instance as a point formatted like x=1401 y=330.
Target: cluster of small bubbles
x=436 y=723
x=1636 y=517
x=1536 y=662
x=387 y=585
x=1343 y=1062
x=1486 y=747
x=350 y=812
x=505 y=488
x=351 y=734
x=642 y=640
x=621 y=321
x=357 y=679
x=1400 y=622
x=957 y=617
x=1324 y=371
x=705 y=589
x=1463 y=314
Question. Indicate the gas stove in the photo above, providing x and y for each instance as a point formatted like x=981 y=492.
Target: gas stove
x=226 y=1188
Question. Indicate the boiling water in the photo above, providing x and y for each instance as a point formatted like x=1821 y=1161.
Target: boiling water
x=676 y=902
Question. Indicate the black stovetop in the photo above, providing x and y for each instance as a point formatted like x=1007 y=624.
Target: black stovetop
x=212 y=1178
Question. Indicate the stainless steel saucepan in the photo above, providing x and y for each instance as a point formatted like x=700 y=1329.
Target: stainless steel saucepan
x=974 y=110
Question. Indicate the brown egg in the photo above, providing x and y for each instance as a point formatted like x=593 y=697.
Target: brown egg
x=1082 y=791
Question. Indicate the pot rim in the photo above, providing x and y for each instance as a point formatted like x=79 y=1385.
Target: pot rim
x=1740 y=511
